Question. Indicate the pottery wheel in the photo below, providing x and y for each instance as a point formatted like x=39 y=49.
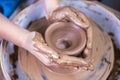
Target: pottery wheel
x=102 y=59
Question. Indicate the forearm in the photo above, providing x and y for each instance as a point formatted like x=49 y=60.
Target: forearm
x=50 y=6
x=11 y=32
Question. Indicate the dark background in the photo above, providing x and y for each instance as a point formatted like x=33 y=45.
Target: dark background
x=115 y=4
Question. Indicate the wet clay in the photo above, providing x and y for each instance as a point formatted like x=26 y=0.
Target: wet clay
x=66 y=38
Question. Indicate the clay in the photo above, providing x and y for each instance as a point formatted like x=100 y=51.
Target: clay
x=66 y=38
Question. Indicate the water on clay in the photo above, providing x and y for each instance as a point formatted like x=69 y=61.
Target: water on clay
x=114 y=75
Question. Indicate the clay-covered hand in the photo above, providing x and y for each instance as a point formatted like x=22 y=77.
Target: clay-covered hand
x=53 y=58
x=69 y=13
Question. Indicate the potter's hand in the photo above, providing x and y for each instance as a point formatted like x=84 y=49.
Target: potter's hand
x=69 y=13
x=52 y=58
x=56 y=13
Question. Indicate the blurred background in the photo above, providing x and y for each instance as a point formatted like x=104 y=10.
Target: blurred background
x=115 y=4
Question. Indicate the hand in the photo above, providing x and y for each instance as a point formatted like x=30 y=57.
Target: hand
x=52 y=58
x=69 y=13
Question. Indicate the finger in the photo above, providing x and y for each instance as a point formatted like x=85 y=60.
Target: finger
x=37 y=47
x=78 y=18
x=59 y=14
x=42 y=46
x=74 y=62
x=88 y=29
x=70 y=14
x=88 y=48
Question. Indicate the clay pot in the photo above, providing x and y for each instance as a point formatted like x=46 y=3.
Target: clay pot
x=66 y=38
